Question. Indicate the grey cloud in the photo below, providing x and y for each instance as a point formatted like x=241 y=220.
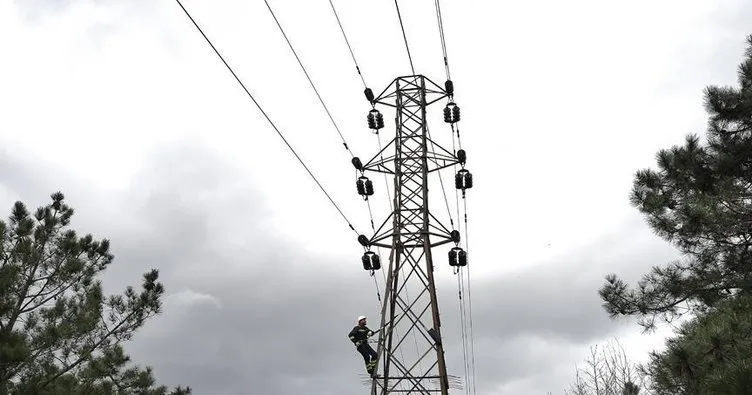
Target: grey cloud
x=95 y=30
x=560 y=295
x=275 y=318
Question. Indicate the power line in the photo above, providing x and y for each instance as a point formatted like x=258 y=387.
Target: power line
x=441 y=181
x=464 y=332
x=469 y=297
x=266 y=116
x=469 y=365
x=399 y=14
x=309 y=78
x=443 y=41
x=348 y=45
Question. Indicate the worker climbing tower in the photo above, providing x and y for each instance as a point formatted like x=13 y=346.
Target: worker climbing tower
x=411 y=354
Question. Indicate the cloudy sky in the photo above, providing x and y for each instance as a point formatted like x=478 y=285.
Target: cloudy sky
x=124 y=108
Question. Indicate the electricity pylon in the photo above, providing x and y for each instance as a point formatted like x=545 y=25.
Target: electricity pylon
x=410 y=157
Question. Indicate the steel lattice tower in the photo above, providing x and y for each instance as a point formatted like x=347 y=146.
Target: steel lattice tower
x=411 y=354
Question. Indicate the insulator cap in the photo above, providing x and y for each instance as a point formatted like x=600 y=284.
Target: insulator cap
x=457 y=257
x=463 y=180
x=461 y=156
x=369 y=95
x=462 y=258
x=451 y=113
x=371 y=261
x=364 y=186
x=366 y=262
x=363 y=240
x=455 y=235
x=449 y=87
x=357 y=163
x=375 y=119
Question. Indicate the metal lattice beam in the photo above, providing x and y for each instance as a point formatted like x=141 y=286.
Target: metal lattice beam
x=417 y=368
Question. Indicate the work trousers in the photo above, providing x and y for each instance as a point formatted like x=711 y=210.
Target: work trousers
x=368 y=353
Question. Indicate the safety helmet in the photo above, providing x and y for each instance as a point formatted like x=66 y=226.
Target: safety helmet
x=361 y=318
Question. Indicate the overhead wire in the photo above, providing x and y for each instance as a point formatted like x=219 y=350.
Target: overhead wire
x=464 y=335
x=349 y=224
x=469 y=365
x=362 y=78
x=443 y=40
x=469 y=317
x=464 y=310
x=399 y=15
x=357 y=67
x=386 y=182
x=456 y=129
x=470 y=299
x=321 y=187
x=441 y=182
x=309 y=78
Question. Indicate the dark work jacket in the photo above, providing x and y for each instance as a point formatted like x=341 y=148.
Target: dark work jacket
x=359 y=333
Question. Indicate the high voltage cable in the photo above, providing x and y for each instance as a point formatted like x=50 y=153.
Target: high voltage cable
x=470 y=369
x=441 y=181
x=348 y=45
x=370 y=213
x=463 y=330
x=443 y=41
x=309 y=78
x=460 y=288
x=386 y=182
x=265 y=115
x=399 y=15
x=469 y=298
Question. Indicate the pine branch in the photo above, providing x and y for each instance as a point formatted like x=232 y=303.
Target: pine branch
x=62 y=288
x=87 y=354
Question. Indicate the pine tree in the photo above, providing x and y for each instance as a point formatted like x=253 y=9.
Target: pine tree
x=711 y=354
x=59 y=333
x=700 y=200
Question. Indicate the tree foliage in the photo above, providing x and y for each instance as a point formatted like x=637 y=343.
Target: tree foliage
x=700 y=200
x=607 y=371
x=711 y=354
x=59 y=333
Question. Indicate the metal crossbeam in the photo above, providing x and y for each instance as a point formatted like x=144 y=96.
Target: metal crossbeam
x=403 y=368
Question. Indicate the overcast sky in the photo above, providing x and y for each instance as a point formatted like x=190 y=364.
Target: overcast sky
x=124 y=108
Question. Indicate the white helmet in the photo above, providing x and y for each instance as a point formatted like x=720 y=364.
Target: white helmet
x=361 y=318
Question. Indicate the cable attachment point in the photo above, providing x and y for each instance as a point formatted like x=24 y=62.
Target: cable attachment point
x=462 y=157
x=449 y=88
x=375 y=120
x=369 y=95
x=455 y=235
x=358 y=164
x=363 y=240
